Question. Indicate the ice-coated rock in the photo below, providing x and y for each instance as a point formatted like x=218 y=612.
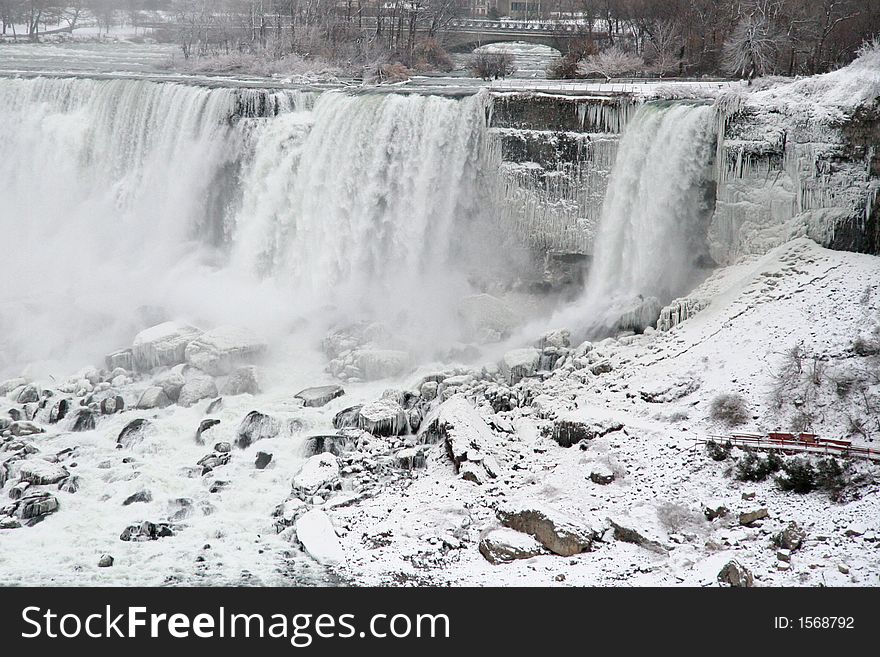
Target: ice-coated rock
x=146 y=531
x=319 y=395
x=502 y=544
x=256 y=426
x=315 y=531
x=336 y=444
x=243 y=381
x=315 y=473
x=347 y=417
x=84 y=420
x=197 y=388
x=25 y=428
x=12 y=384
x=583 y=424
x=219 y=351
x=383 y=417
x=153 y=397
x=375 y=364
x=59 y=410
x=205 y=426
x=467 y=438
x=27 y=395
x=112 y=404
x=171 y=382
x=35 y=506
x=123 y=358
x=41 y=473
x=519 y=364
x=133 y=433
x=262 y=460
x=557 y=531
x=162 y=345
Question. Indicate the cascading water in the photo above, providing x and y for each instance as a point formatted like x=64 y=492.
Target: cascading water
x=120 y=196
x=650 y=245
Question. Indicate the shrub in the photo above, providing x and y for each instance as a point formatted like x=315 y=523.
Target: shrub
x=488 y=65
x=799 y=476
x=395 y=72
x=831 y=478
x=610 y=63
x=429 y=55
x=676 y=518
x=751 y=467
x=716 y=451
x=730 y=409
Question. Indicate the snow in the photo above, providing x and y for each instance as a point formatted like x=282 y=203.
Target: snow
x=315 y=531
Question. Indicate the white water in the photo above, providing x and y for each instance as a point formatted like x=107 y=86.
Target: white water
x=120 y=195
x=652 y=230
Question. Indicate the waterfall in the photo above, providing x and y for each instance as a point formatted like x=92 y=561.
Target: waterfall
x=126 y=202
x=651 y=240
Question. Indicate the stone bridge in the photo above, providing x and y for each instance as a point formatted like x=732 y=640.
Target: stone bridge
x=466 y=34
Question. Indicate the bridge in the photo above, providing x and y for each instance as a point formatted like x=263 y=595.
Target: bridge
x=463 y=35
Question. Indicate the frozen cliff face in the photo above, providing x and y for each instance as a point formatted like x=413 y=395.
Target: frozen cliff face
x=800 y=159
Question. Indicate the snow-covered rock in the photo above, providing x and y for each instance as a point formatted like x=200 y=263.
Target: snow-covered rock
x=469 y=442
x=583 y=424
x=316 y=472
x=163 y=344
x=219 y=351
x=641 y=526
x=153 y=397
x=519 y=364
x=197 y=388
x=559 y=532
x=383 y=417
x=319 y=395
x=315 y=531
x=40 y=472
x=243 y=381
x=502 y=545
x=256 y=426
x=375 y=364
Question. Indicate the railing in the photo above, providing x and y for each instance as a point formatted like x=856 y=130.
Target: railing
x=795 y=444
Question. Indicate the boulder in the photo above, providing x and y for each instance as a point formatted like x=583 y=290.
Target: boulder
x=375 y=364
x=162 y=345
x=84 y=420
x=106 y=561
x=791 y=538
x=133 y=433
x=146 y=531
x=642 y=527
x=263 y=459
x=24 y=428
x=519 y=364
x=736 y=575
x=256 y=426
x=113 y=404
x=316 y=534
x=12 y=384
x=41 y=473
x=320 y=395
x=27 y=395
x=35 y=506
x=749 y=517
x=219 y=351
x=153 y=397
x=59 y=410
x=601 y=474
x=582 y=424
x=467 y=439
x=336 y=444
x=123 y=358
x=315 y=473
x=502 y=545
x=347 y=417
x=142 y=496
x=197 y=388
x=559 y=532
x=171 y=382
x=383 y=417
x=243 y=381
x=205 y=426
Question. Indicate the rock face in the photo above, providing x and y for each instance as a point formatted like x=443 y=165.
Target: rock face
x=467 y=438
x=256 y=426
x=317 y=471
x=503 y=545
x=315 y=531
x=558 y=532
x=735 y=574
x=164 y=344
x=383 y=417
x=519 y=364
x=219 y=351
x=320 y=395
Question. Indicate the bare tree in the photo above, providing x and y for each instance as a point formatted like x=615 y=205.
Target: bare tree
x=752 y=48
x=611 y=62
